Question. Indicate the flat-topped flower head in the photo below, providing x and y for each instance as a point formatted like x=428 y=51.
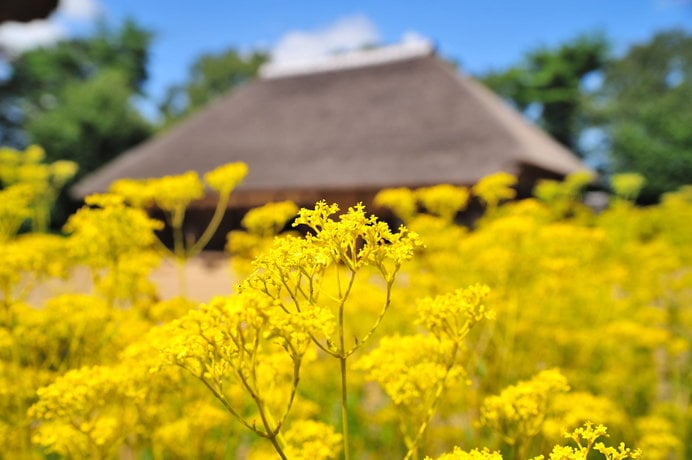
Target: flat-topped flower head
x=172 y=193
x=452 y=315
x=268 y=220
x=519 y=410
x=495 y=188
x=444 y=200
x=357 y=239
x=225 y=178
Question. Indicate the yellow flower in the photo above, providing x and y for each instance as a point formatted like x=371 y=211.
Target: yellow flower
x=402 y=202
x=453 y=315
x=519 y=411
x=475 y=454
x=268 y=220
x=174 y=193
x=106 y=231
x=311 y=440
x=225 y=178
x=627 y=185
x=136 y=192
x=409 y=368
x=444 y=200
x=494 y=188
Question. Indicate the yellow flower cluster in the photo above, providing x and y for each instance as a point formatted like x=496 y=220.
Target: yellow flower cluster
x=261 y=224
x=627 y=185
x=175 y=193
x=453 y=315
x=77 y=408
x=349 y=339
x=268 y=220
x=402 y=201
x=475 y=454
x=495 y=188
x=657 y=438
x=169 y=193
x=519 y=411
x=101 y=232
x=356 y=239
x=225 y=178
x=29 y=259
x=15 y=208
x=443 y=201
x=29 y=188
x=409 y=368
x=311 y=440
x=585 y=439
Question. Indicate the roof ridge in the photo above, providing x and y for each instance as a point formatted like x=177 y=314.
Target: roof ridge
x=349 y=60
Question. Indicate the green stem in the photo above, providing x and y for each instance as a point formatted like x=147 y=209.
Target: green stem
x=380 y=317
x=273 y=433
x=272 y=428
x=179 y=253
x=214 y=223
x=343 y=357
x=344 y=407
x=182 y=276
x=176 y=221
x=229 y=408
x=294 y=391
x=413 y=447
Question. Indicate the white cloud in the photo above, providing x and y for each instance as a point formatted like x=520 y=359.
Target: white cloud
x=16 y=38
x=80 y=10
x=413 y=38
x=345 y=34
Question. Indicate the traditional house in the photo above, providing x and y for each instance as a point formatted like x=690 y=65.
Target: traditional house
x=344 y=128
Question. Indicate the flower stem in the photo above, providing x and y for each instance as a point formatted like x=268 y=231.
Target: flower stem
x=344 y=406
x=219 y=211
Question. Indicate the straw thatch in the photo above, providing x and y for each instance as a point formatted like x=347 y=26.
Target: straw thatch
x=348 y=130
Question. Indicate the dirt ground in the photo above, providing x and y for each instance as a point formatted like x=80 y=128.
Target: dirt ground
x=207 y=275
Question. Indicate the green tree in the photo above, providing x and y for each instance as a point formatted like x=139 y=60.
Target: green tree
x=551 y=80
x=210 y=76
x=75 y=99
x=93 y=123
x=42 y=81
x=645 y=107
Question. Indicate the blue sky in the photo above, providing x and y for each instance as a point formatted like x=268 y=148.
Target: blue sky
x=479 y=34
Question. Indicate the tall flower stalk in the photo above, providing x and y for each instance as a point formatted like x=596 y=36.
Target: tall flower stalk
x=173 y=195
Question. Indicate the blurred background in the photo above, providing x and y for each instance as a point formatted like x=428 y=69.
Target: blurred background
x=89 y=79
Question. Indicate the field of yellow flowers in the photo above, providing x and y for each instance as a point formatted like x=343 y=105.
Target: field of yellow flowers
x=546 y=331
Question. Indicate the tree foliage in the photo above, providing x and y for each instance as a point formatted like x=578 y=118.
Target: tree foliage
x=645 y=106
x=552 y=80
x=94 y=122
x=75 y=98
x=210 y=76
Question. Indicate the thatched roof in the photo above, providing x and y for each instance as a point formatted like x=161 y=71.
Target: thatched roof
x=403 y=119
